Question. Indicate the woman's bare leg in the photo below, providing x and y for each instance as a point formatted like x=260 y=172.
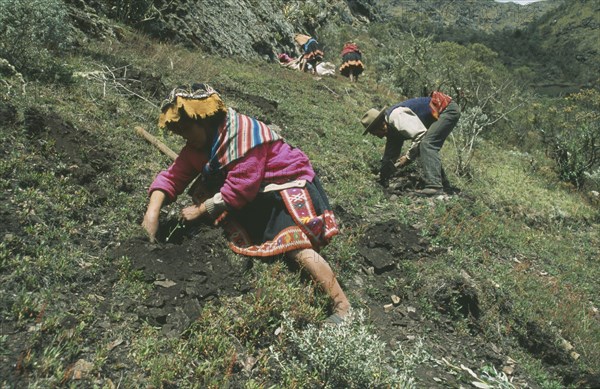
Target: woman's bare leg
x=321 y=272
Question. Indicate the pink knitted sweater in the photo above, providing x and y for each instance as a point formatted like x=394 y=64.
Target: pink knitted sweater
x=275 y=162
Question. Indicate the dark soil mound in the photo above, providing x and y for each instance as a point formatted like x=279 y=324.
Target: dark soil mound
x=386 y=243
x=387 y=249
x=189 y=270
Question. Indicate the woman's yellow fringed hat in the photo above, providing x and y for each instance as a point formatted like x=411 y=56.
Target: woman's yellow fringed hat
x=198 y=101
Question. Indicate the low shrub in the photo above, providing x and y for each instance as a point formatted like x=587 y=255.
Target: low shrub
x=571 y=134
x=32 y=34
x=348 y=355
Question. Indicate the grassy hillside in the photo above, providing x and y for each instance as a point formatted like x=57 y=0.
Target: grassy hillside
x=499 y=281
x=555 y=42
x=570 y=36
x=468 y=16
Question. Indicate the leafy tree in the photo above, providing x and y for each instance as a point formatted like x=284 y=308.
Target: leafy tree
x=571 y=134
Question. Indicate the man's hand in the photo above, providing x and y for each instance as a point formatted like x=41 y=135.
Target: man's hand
x=402 y=162
x=193 y=212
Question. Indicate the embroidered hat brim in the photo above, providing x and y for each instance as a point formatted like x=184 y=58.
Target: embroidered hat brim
x=197 y=101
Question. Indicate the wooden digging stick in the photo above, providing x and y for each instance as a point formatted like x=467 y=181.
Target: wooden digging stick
x=160 y=145
x=197 y=190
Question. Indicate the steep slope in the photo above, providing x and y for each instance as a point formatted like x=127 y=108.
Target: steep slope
x=468 y=15
x=493 y=287
x=87 y=300
x=240 y=28
x=568 y=37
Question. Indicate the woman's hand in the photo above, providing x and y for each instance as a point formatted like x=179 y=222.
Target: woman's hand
x=193 y=212
x=150 y=224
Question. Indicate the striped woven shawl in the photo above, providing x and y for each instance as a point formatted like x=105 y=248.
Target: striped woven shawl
x=239 y=135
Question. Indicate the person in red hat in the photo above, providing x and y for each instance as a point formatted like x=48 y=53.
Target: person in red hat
x=352 y=65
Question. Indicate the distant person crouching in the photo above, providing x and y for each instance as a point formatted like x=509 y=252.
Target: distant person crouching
x=312 y=53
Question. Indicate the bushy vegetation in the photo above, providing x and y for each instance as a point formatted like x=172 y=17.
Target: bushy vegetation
x=33 y=34
x=130 y=12
x=348 y=355
x=571 y=133
x=528 y=245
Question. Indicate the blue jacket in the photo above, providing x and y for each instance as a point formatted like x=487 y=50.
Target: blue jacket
x=420 y=106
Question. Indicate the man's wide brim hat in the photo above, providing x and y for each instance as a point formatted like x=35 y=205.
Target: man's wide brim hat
x=372 y=120
x=197 y=101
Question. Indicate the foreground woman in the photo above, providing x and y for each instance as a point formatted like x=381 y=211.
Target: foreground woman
x=267 y=197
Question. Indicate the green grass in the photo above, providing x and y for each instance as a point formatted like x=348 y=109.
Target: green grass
x=535 y=243
x=522 y=238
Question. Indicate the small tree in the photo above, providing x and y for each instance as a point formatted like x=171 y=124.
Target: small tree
x=476 y=120
x=464 y=137
x=571 y=134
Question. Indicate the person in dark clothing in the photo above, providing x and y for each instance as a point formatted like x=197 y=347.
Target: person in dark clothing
x=312 y=53
x=352 y=65
x=427 y=122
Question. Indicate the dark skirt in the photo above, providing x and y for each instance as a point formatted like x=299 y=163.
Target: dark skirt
x=281 y=221
x=313 y=53
x=351 y=62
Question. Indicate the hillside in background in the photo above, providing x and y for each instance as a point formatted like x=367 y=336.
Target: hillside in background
x=568 y=38
x=468 y=16
x=556 y=43
x=494 y=285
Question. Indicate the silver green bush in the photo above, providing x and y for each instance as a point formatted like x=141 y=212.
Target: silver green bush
x=130 y=11
x=347 y=355
x=465 y=137
x=32 y=32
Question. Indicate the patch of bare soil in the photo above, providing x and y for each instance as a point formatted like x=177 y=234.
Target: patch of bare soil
x=185 y=272
x=84 y=156
x=399 y=321
x=396 y=314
